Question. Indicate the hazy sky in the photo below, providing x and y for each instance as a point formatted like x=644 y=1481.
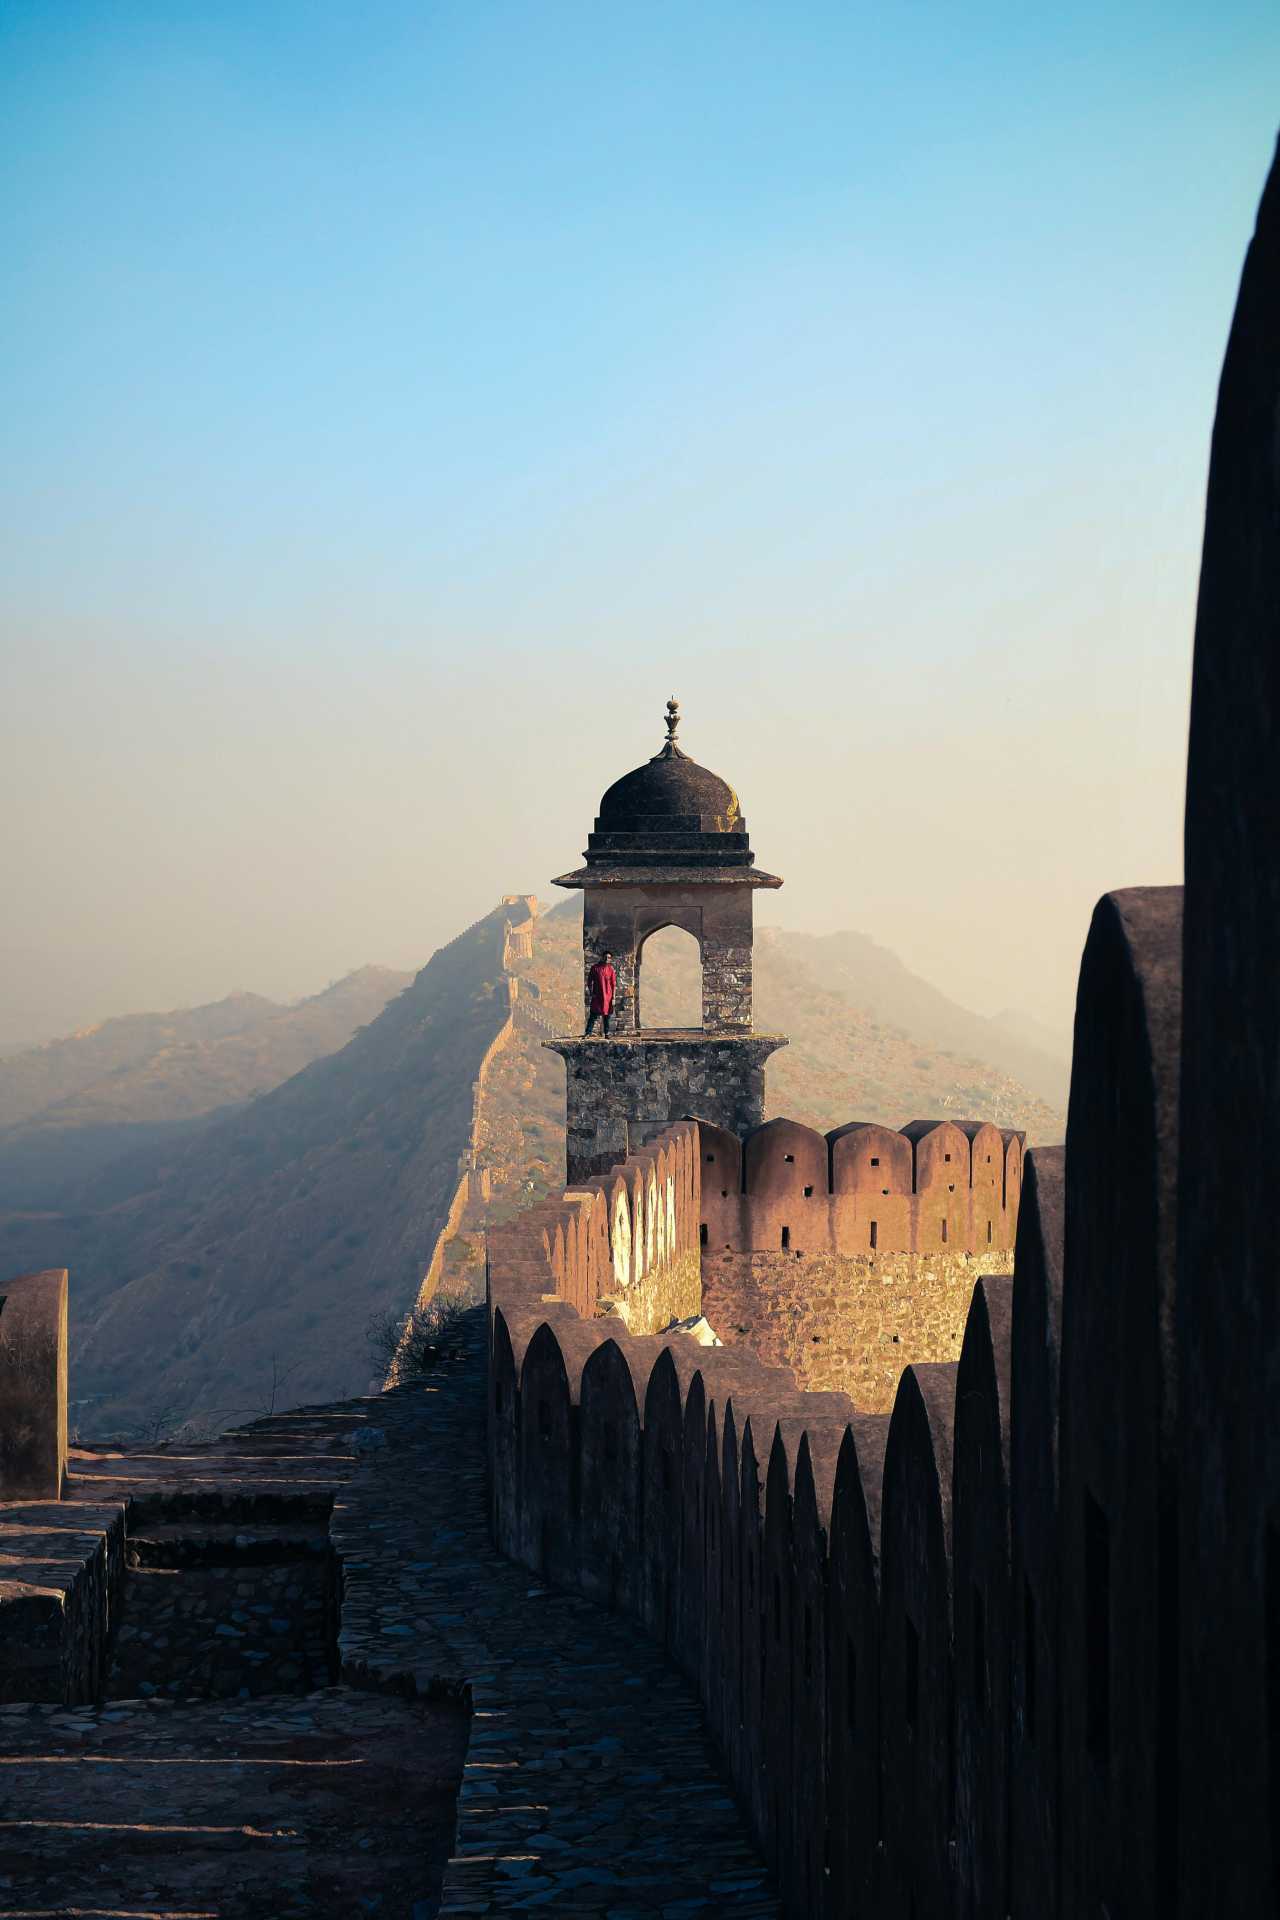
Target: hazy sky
x=399 y=401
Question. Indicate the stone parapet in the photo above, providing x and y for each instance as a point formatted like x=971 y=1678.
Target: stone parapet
x=33 y=1386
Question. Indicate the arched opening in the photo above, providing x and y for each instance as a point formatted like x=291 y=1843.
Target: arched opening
x=669 y=980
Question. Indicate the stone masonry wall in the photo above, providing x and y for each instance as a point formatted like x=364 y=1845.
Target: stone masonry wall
x=671 y=1292
x=849 y=1323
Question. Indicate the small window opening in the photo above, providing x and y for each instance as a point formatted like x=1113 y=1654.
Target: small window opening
x=874 y=1233
x=1029 y=1660
x=1097 y=1602
x=724 y=1193
x=875 y=1160
x=952 y=1187
x=988 y=1159
x=912 y=1676
x=850 y=1684
x=786 y=1238
x=946 y=1156
x=988 y=1233
x=702 y=1234
x=789 y=1158
x=808 y=1193
x=979 y=1653
x=944 y=1230
x=544 y=1420
x=711 y=1159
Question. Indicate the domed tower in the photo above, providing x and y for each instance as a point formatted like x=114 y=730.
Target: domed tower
x=669 y=849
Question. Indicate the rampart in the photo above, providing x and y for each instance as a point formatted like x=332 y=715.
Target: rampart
x=838 y=1583
x=936 y=1186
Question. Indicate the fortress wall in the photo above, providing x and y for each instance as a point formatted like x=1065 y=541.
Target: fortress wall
x=866 y=1602
x=1036 y=1344
x=1117 y=1553
x=981 y=1609
x=936 y=1186
x=845 y=1322
x=1227 y=1323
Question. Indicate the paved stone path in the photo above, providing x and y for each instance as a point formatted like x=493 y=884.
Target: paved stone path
x=590 y=1786
x=284 y=1808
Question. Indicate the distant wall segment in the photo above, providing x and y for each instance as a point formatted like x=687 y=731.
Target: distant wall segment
x=937 y=1186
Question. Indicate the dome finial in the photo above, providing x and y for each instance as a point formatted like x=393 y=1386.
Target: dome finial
x=673 y=720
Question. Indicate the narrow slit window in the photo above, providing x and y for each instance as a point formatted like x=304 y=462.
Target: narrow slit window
x=988 y=1233
x=702 y=1234
x=944 y=1230
x=874 y=1234
x=1097 y=1600
x=786 y=1238
x=947 y=1158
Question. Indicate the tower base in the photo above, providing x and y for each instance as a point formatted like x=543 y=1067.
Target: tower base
x=622 y=1091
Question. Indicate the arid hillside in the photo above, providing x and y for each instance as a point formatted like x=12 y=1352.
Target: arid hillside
x=240 y=1255
x=72 y=1106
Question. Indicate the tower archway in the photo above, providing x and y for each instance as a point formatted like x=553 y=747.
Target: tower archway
x=669 y=980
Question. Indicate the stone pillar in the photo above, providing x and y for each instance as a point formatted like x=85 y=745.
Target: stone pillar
x=622 y=1091
x=33 y=1386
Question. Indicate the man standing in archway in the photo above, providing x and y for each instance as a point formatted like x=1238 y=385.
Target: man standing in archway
x=602 y=984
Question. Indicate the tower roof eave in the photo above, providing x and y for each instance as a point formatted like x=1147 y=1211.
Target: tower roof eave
x=667 y=877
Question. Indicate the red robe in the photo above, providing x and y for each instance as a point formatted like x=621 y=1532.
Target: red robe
x=602 y=982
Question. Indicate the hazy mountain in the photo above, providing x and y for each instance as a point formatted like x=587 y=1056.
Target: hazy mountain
x=258 y=1240
x=877 y=982
x=72 y=1106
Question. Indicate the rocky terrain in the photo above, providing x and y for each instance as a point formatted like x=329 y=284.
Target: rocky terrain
x=229 y=1262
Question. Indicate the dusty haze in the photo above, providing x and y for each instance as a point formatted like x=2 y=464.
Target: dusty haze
x=400 y=405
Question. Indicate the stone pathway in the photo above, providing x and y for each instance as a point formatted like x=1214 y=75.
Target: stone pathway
x=590 y=1786
x=331 y=1803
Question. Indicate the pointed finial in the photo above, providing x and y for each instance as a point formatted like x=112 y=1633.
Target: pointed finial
x=673 y=720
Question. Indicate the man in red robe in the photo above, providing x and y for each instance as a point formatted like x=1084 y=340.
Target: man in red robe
x=602 y=984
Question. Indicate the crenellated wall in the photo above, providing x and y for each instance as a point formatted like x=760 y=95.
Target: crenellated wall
x=878 y=1609
x=937 y=1186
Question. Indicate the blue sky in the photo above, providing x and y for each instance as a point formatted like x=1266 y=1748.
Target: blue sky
x=398 y=402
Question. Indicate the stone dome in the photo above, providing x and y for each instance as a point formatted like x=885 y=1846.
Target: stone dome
x=670 y=812
x=671 y=784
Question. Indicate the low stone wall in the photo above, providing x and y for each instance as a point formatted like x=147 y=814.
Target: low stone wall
x=33 y=1386
x=849 y=1323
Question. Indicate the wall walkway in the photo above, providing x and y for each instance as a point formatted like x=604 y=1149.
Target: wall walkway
x=590 y=1785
